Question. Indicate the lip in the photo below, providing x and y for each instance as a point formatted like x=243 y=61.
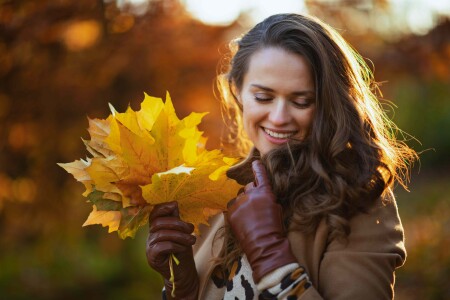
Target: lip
x=275 y=140
x=278 y=130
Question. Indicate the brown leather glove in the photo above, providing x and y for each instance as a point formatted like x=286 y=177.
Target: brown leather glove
x=256 y=221
x=169 y=235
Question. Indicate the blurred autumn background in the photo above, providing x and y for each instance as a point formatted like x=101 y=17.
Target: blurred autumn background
x=63 y=60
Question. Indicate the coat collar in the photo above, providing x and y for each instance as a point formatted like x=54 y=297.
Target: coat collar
x=205 y=256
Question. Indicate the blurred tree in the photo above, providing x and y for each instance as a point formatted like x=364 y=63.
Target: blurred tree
x=63 y=60
x=417 y=74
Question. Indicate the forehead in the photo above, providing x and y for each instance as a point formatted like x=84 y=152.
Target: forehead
x=276 y=66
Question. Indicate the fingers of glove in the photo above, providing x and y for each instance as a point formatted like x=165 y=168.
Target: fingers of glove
x=240 y=195
x=256 y=203
x=260 y=173
x=241 y=190
x=171 y=223
x=230 y=203
x=250 y=186
x=235 y=203
x=164 y=210
x=158 y=255
x=171 y=236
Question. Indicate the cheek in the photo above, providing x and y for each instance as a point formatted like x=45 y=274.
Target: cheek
x=251 y=113
x=304 y=121
x=250 y=122
x=246 y=110
x=307 y=120
x=246 y=118
x=310 y=117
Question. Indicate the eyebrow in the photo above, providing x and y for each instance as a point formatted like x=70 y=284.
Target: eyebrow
x=296 y=93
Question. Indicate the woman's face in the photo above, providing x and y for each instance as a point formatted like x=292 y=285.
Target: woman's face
x=278 y=98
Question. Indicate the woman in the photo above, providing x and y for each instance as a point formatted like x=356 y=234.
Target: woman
x=317 y=218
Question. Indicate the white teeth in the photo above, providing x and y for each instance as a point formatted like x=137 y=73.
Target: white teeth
x=278 y=135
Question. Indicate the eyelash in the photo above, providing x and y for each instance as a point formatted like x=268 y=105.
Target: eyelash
x=296 y=104
x=261 y=99
x=303 y=105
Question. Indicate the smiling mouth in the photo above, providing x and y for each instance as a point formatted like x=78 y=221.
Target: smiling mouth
x=279 y=135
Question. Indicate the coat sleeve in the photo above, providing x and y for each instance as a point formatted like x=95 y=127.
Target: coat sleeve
x=363 y=268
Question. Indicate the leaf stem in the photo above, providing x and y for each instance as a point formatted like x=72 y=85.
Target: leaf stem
x=173 y=258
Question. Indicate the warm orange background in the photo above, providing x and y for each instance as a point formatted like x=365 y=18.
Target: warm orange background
x=61 y=61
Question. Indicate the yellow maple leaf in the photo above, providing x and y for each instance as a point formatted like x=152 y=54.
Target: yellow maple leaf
x=140 y=122
x=175 y=140
x=98 y=130
x=198 y=194
x=108 y=211
x=78 y=170
x=104 y=218
x=142 y=158
x=104 y=172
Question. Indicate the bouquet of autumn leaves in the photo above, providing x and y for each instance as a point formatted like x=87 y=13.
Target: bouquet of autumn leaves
x=146 y=157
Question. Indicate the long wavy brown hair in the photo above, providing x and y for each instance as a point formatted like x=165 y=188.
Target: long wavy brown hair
x=351 y=155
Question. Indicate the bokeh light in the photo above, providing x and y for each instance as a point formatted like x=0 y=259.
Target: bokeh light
x=81 y=34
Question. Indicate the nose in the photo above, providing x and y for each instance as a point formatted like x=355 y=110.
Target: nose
x=280 y=114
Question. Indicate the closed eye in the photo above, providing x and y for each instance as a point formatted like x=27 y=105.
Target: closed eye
x=303 y=104
x=263 y=97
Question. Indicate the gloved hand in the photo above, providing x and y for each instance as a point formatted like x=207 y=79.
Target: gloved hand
x=169 y=235
x=256 y=221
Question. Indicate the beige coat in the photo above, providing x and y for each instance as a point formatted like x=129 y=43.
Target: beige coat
x=361 y=269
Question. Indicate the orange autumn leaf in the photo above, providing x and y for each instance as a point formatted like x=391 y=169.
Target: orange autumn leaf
x=146 y=157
